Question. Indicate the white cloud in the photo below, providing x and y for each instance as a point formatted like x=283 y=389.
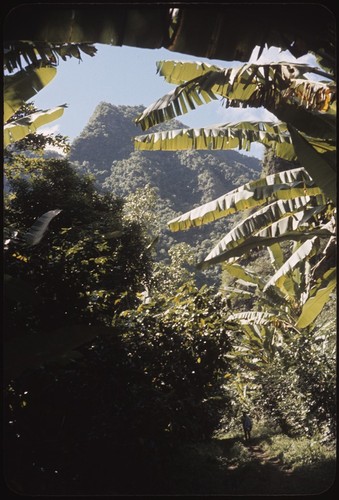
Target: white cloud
x=49 y=129
x=228 y=115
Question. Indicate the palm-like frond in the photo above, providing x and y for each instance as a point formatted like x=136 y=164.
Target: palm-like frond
x=304 y=251
x=321 y=167
x=317 y=298
x=42 y=53
x=269 y=85
x=23 y=85
x=230 y=136
x=35 y=233
x=18 y=129
x=286 y=185
x=280 y=218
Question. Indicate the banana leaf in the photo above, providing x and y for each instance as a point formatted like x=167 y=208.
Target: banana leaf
x=255 y=242
x=231 y=136
x=309 y=105
x=277 y=218
x=306 y=250
x=36 y=232
x=320 y=169
x=293 y=183
x=318 y=297
x=18 y=129
x=23 y=85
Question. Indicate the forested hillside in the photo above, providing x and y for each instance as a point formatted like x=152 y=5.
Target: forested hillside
x=136 y=363
x=183 y=179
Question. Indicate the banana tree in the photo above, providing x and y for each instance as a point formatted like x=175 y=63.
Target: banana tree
x=283 y=309
x=287 y=206
x=299 y=199
x=29 y=67
x=306 y=110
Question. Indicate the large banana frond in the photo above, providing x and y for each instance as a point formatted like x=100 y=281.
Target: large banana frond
x=277 y=219
x=306 y=250
x=322 y=168
x=243 y=275
x=273 y=86
x=231 y=136
x=221 y=137
x=23 y=85
x=16 y=130
x=35 y=233
x=318 y=297
x=37 y=53
x=259 y=241
x=293 y=183
x=179 y=72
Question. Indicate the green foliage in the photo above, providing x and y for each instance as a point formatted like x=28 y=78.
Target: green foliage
x=104 y=149
x=300 y=452
x=297 y=389
x=42 y=53
x=122 y=403
x=89 y=258
x=183 y=341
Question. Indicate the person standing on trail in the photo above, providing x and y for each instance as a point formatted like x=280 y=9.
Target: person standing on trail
x=246 y=425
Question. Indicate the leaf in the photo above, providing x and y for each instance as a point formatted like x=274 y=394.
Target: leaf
x=17 y=130
x=283 y=185
x=221 y=137
x=278 y=218
x=279 y=87
x=23 y=85
x=255 y=242
x=242 y=274
x=249 y=317
x=320 y=295
x=34 y=235
x=179 y=72
x=323 y=173
x=304 y=251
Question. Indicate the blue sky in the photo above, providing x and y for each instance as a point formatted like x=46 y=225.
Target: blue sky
x=127 y=75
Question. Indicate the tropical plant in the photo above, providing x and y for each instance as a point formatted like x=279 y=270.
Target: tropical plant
x=305 y=108
x=36 y=232
x=300 y=200
x=126 y=400
x=91 y=257
x=285 y=351
x=29 y=67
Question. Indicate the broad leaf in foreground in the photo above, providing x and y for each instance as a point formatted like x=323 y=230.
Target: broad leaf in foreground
x=17 y=130
x=23 y=85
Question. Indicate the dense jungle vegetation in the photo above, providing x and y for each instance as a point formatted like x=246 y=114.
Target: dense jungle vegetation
x=151 y=403
x=132 y=346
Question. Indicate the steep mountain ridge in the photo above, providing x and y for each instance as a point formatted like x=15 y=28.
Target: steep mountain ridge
x=184 y=179
x=187 y=178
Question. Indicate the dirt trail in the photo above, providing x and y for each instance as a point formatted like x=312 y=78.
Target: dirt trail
x=265 y=475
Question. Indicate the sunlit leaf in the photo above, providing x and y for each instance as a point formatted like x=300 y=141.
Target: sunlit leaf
x=319 y=296
x=23 y=85
x=294 y=183
x=17 y=130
